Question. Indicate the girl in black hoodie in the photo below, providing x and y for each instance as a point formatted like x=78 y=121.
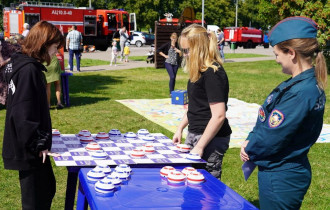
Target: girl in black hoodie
x=28 y=138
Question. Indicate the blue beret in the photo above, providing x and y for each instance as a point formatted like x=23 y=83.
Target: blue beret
x=292 y=28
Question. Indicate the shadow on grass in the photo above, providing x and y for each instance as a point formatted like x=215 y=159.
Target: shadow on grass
x=255 y=203
x=89 y=89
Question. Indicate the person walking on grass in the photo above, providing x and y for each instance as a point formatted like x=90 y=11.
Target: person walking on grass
x=291 y=118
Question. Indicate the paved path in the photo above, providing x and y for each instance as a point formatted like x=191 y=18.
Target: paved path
x=140 y=51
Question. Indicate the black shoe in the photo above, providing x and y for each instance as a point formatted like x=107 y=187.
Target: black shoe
x=59 y=106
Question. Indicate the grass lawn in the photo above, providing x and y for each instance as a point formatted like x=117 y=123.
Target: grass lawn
x=93 y=107
x=227 y=55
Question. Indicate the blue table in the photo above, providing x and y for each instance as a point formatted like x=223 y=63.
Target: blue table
x=65 y=87
x=147 y=190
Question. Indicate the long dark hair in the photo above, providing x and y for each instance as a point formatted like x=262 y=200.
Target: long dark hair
x=41 y=36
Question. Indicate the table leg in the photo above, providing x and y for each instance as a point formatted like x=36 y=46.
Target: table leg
x=82 y=203
x=71 y=186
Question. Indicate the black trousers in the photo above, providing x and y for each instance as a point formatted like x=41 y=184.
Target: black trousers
x=38 y=187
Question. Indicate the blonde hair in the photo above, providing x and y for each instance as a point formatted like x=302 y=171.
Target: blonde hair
x=203 y=51
x=308 y=49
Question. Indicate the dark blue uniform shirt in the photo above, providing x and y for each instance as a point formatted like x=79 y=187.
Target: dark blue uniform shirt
x=289 y=123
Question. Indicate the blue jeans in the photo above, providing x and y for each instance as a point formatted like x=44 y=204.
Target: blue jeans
x=171 y=70
x=77 y=54
x=221 y=51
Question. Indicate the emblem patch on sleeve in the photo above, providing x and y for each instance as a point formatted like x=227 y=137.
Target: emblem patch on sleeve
x=276 y=118
x=261 y=114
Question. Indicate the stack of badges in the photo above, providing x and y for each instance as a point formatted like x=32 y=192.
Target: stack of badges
x=189 y=174
x=99 y=155
x=187 y=170
x=102 y=136
x=130 y=135
x=95 y=175
x=85 y=138
x=115 y=134
x=123 y=172
x=105 y=168
x=148 y=138
x=183 y=147
x=166 y=170
x=149 y=148
x=56 y=132
x=137 y=153
x=104 y=187
x=193 y=156
x=195 y=177
x=84 y=132
x=92 y=147
x=176 y=177
x=143 y=132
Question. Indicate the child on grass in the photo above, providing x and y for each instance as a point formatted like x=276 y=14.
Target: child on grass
x=114 y=52
x=126 y=51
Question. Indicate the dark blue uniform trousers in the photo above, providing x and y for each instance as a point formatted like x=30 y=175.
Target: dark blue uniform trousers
x=283 y=189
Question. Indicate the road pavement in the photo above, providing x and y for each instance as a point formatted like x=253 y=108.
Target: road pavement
x=142 y=51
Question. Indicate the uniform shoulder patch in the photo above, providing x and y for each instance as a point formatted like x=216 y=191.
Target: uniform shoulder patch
x=261 y=114
x=276 y=118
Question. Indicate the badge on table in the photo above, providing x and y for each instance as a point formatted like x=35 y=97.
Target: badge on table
x=276 y=118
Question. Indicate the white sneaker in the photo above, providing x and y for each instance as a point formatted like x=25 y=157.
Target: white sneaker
x=110 y=64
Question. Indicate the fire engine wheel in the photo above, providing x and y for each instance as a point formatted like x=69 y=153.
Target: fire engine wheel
x=138 y=44
x=248 y=45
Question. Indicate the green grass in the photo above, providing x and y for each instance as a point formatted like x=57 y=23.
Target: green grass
x=93 y=107
x=242 y=55
x=88 y=62
x=227 y=55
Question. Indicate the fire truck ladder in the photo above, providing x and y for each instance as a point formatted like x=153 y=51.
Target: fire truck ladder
x=44 y=4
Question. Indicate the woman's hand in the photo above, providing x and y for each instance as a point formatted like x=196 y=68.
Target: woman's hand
x=197 y=150
x=177 y=137
x=244 y=156
x=43 y=154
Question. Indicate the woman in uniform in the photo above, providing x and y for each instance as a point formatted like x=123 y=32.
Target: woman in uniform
x=290 y=120
x=208 y=88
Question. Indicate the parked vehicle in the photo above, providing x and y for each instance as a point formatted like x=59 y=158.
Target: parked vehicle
x=150 y=38
x=138 y=38
x=96 y=26
x=243 y=36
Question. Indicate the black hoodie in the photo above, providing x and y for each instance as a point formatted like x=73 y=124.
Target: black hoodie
x=27 y=113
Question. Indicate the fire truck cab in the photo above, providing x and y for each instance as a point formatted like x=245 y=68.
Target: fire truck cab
x=96 y=26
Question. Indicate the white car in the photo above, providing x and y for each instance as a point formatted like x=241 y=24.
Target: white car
x=138 y=39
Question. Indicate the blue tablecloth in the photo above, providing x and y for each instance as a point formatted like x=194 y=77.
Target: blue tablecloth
x=147 y=190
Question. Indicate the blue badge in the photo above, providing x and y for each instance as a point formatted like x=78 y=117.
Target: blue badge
x=261 y=114
x=270 y=98
x=276 y=118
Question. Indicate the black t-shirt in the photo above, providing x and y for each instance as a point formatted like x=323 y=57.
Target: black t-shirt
x=212 y=86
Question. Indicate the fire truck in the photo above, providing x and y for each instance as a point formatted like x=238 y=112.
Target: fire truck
x=96 y=26
x=243 y=36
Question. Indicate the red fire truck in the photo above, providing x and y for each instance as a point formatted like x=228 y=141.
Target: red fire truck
x=96 y=26
x=243 y=36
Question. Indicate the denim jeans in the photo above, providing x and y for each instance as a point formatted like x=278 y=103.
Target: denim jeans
x=77 y=54
x=171 y=70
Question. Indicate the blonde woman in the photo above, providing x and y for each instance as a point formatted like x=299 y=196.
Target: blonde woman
x=170 y=51
x=208 y=87
x=291 y=118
